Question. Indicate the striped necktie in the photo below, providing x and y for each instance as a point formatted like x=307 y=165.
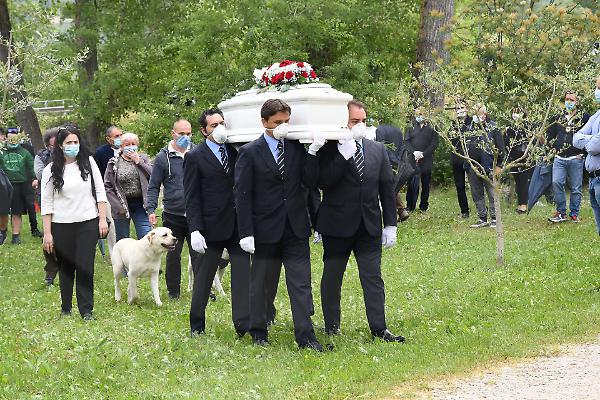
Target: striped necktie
x=359 y=160
x=224 y=160
x=280 y=163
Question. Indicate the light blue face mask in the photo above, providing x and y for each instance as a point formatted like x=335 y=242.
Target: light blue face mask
x=570 y=105
x=117 y=143
x=183 y=141
x=71 y=150
x=597 y=94
x=130 y=149
x=12 y=145
x=419 y=118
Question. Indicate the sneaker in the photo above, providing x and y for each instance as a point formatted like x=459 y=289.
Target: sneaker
x=16 y=239
x=575 y=218
x=493 y=223
x=49 y=281
x=557 y=217
x=2 y=237
x=464 y=215
x=480 y=224
x=36 y=233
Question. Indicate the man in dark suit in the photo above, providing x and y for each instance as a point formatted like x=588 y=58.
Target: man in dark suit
x=355 y=176
x=109 y=149
x=273 y=221
x=210 y=211
x=421 y=140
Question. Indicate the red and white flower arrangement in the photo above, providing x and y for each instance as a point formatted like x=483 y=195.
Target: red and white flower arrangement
x=285 y=74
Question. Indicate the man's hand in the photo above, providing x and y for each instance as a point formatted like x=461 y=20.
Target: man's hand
x=247 y=244
x=198 y=242
x=347 y=148
x=34 y=183
x=152 y=219
x=318 y=142
x=388 y=236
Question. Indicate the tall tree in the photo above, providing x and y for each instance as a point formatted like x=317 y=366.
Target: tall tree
x=434 y=34
x=26 y=116
x=86 y=28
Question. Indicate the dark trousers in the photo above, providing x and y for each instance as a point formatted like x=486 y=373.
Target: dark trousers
x=204 y=274
x=178 y=225
x=294 y=253
x=522 y=179
x=412 y=191
x=367 y=251
x=51 y=266
x=459 y=173
x=75 y=248
x=30 y=203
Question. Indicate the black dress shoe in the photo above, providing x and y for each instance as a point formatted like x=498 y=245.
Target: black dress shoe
x=36 y=233
x=312 y=345
x=212 y=296
x=65 y=313
x=88 y=316
x=240 y=334
x=332 y=331
x=389 y=337
x=196 y=333
x=260 y=342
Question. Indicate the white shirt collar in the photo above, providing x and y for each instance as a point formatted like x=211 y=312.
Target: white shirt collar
x=171 y=149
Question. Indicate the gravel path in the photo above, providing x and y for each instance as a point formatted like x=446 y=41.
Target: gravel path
x=573 y=374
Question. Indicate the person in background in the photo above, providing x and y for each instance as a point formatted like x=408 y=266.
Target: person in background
x=485 y=145
x=516 y=141
x=588 y=139
x=126 y=182
x=462 y=124
x=421 y=140
x=167 y=172
x=110 y=149
x=74 y=216
x=568 y=161
x=17 y=164
x=43 y=158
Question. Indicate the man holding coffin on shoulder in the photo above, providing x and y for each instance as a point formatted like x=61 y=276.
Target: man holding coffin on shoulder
x=355 y=176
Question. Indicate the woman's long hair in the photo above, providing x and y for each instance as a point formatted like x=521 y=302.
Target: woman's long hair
x=58 y=156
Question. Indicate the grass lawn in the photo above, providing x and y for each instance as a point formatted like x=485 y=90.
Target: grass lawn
x=444 y=293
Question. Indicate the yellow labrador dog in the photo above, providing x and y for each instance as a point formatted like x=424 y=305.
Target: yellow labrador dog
x=141 y=258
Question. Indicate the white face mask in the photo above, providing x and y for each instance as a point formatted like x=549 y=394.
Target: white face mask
x=462 y=113
x=219 y=134
x=359 y=130
x=475 y=119
x=517 y=116
x=280 y=131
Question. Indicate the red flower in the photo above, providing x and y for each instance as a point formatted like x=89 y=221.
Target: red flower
x=313 y=75
x=304 y=74
x=289 y=75
x=285 y=63
x=301 y=65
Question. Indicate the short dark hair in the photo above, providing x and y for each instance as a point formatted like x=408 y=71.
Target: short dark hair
x=272 y=107
x=207 y=113
x=357 y=104
x=49 y=134
x=110 y=129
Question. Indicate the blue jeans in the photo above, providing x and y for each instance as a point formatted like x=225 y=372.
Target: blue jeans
x=595 y=199
x=137 y=213
x=570 y=171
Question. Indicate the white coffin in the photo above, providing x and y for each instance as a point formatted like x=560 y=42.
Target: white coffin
x=315 y=107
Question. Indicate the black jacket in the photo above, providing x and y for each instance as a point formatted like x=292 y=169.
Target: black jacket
x=483 y=141
x=264 y=199
x=421 y=138
x=460 y=127
x=102 y=155
x=209 y=201
x=560 y=133
x=347 y=200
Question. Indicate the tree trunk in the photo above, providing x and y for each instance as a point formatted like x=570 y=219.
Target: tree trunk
x=87 y=38
x=434 y=31
x=26 y=117
x=499 y=224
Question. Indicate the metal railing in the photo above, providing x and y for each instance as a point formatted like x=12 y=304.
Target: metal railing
x=63 y=106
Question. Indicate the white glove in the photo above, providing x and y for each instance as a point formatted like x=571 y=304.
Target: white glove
x=198 y=243
x=318 y=142
x=418 y=155
x=347 y=148
x=247 y=244
x=388 y=236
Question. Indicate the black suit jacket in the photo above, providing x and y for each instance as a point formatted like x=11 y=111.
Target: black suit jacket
x=209 y=201
x=421 y=138
x=264 y=199
x=347 y=200
x=102 y=155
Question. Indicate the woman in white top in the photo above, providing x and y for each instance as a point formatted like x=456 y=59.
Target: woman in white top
x=74 y=216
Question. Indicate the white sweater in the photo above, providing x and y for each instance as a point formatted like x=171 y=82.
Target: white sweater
x=75 y=202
